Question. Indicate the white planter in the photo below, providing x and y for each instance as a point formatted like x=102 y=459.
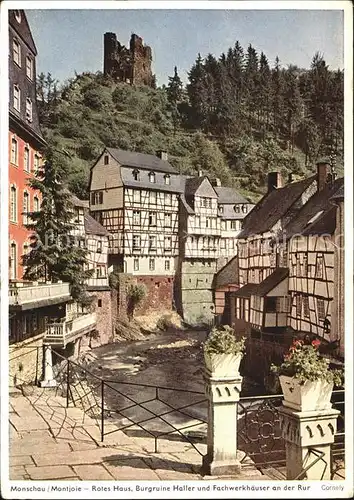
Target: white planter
x=307 y=396
x=223 y=365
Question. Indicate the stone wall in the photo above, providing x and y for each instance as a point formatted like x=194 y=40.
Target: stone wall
x=26 y=361
x=102 y=305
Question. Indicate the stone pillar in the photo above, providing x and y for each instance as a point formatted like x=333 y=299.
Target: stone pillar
x=48 y=380
x=223 y=395
x=303 y=431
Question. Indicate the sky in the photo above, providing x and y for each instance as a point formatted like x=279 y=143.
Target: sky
x=72 y=40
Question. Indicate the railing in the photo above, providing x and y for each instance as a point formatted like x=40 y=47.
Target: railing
x=61 y=333
x=21 y=294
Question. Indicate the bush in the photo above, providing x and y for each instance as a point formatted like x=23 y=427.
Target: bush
x=135 y=295
x=222 y=340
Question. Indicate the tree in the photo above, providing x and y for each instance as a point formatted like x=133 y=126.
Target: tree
x=135 y=295
x=48 y=97
x=175 y=96
x=56 y=254
x=197 y=93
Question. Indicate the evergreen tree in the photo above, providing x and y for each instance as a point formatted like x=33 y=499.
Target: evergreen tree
x=56 y=254
x=197 y=93
x=175 y=97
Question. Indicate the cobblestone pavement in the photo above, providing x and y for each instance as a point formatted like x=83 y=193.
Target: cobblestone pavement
x=51 y=442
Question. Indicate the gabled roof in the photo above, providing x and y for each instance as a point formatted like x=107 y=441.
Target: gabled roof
x=141 y=160
x=273 y=206
x=192 y=184
x=187 y=207
x=79 y=203
x=229 y=195
x=246 y=291
x=227 y=275
x=305 y=221
x=22 y=29
x=94 y=227
x=271 y=281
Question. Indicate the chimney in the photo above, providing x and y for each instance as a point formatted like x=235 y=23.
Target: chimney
x=274 y=181
x=290 y=178
x=162 y=154
x=200 y=173
x=216 y=182
x=323 y=169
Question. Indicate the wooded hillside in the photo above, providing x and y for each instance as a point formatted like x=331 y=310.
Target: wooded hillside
x=237 y=119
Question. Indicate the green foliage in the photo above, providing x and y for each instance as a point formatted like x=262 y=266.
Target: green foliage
x=304 y=362
x=114 y=280
x=222 y=340
x=136 y=293
x=55 y=253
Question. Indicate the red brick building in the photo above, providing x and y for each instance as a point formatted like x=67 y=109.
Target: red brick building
x=25 y=139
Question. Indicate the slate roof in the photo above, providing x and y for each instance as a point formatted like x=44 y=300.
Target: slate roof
x=319 y=202
x=227 y=275
x=192 y=184
x=229 y=195
x=23 y=29
x=263 y=288
x=186 y=205
x=339 y=195
x=94 y=227
x=273 y=206
x=175 y=186
x=141 y=160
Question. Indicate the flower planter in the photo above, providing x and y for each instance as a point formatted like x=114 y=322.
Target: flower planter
x=223 y=365
x=307 y=396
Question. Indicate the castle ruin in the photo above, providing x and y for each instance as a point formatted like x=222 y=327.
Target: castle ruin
x=131 y=65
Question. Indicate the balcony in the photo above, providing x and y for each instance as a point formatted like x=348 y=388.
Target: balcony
x=24 y=296
x=60 y=334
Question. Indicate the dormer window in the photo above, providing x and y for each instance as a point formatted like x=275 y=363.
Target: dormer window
x=221 y=209
x=28 y=109
x=152 y=178
x=237 y=209
x=29 y=67
x=16 y=51
x=244 y=209
x=106 y=159
x=167 y=179
x=17 y=98
x=136 y=175
x=18 y=16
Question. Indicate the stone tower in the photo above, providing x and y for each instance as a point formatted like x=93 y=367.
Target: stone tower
x=131 y=65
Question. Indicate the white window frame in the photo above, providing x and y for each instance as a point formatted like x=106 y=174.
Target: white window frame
x=29 y=67
x=152 y=177
x=168 y=220
x=36 y=204
x=16 y=53
x=136 y=264
x=167 y=179
x=27 y=159
x=136 y=195
x=151 y=264
x=152 y=197
x=13 y=260
x=168 y=243
x=17 y=97
x=152 y=219
x=168 y=199
x=36 y=164
x=167 y=265
x=14 y=151
x=152 y=242
x=29 y=109
x=136 y=237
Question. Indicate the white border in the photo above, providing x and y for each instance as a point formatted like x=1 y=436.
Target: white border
x=289 y=489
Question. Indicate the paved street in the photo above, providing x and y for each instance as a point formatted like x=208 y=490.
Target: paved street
x=51 y=442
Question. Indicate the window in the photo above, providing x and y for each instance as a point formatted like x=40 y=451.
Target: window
x=136 y=175
x=26 y=207
x=221 y=209
x=16 y=50
x=28 y=109
x=321 y=309
x=152 y=264
x=17 y=98
x=14 y=151
x=197 y=221
x=101 y=272
x=223 y=225
x=305 y=266
x=18 y=16
x=298 y=303
x=13 y=204
x=36 y=206
x=36 y=164
x=97 y=198
x=13 y=258
x=207 y=222
x=168 y=220
x=222 y=244
x=136 y=196
x=26 y=159
x=167 y=179
x=152 y=177
x=306 y=306
x=237 y=209
x=168 y=243
x=99 y=246
x=106 y=160
x=99 y=303
x=233 y=224
x=136 y=218
x=152 y=218
x=319 y=266
x=270 y=304
x=168 y=199
x=136 y=264
x=29 y=67
x=244 y=209
x=152 y=197
x=152 y=242
x=167 y=265
x=136 y=242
